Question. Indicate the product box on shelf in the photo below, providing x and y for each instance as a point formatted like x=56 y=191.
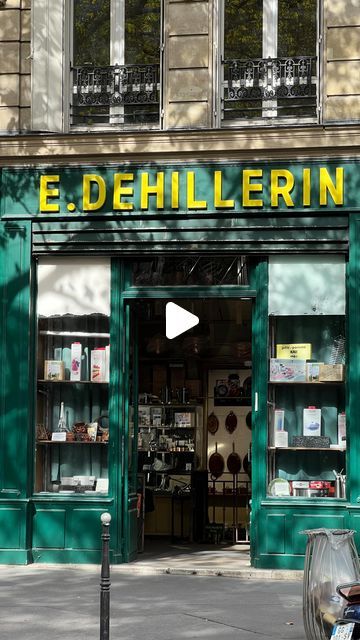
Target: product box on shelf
x=75 y=369
x=281 y=439
x=107 y=363
x=342 y=429
x=156 y=417
x=331 y=373
x=287 y=370
x=183 y=419
x=54 y=370
x=313 y=371
x=144 y=416
x=311 y=421
x=98 y=365
x=278 y=423
x=297 y=351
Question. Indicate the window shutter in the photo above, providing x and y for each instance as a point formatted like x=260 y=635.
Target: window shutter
x=49 y=69
x=341 y=61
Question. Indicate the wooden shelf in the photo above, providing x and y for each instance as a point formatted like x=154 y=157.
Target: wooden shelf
x=314 y=384
x=68 y=442
x=41 y=381
x=307 y=448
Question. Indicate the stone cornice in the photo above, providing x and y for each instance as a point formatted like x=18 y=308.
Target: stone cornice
x=250 y=143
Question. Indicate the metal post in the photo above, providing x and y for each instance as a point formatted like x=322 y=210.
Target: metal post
x=105 y=579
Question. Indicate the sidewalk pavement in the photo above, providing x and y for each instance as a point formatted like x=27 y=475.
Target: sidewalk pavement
x=57 y=602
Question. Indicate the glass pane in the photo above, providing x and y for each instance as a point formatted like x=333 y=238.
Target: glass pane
x=91 y=32
x=72 y=421
x=243 y=29
x=142 y=31
x=296 y=28
x=307 y=404
x=191 y=271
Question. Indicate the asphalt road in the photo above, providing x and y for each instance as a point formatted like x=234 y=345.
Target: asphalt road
x=62 y=603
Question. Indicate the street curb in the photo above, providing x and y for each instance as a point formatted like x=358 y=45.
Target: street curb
x=244 y=574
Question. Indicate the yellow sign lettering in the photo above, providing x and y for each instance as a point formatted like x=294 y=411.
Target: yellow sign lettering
x=192 y=203
x=157 y=190
x=89 y=180
x=326 y=185
x=249 y=187
x=175 y=190
x=46 y=192
x=306 y=187
x=120 y=191
x=281 y=190
x=218 y=201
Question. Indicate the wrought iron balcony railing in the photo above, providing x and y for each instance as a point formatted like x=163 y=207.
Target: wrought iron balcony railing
x=116 y=95
x=270 y=88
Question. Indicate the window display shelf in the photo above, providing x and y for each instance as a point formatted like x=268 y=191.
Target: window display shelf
x=306 y=403
x=72 y=382
x=51 y=442
x=307 y=449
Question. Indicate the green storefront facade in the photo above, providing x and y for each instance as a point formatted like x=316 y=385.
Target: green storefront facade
x=302 y=212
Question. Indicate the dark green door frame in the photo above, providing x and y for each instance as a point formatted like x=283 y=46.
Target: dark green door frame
x=257 y=291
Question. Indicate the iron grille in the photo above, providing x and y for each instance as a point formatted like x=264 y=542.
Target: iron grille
x=270 y=87
x=116 y=94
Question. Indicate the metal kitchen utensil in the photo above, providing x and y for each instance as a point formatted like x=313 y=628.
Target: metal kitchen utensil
x=231 y=422
x=233 y=461
x=216 y=464
x=212 y=423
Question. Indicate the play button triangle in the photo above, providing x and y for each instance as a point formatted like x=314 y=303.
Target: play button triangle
x=178 y=320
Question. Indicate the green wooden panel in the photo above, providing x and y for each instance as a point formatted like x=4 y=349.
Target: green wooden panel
x=311 y=520
x=12 y=521
x=353 y=358
x=49 y=528
x=275 y=525
x=259 y=280
x=83 y=530
x=15 y=396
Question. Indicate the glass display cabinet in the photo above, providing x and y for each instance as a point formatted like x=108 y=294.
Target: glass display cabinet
x=307 y=406
x=72 y=424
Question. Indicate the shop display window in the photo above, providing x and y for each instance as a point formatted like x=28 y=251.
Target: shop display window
x=73 y=373
x=307 y=406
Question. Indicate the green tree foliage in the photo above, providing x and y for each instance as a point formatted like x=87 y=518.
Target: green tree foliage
x=243 y=28
x=92 y=31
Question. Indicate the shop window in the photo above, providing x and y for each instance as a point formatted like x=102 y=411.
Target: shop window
x=269 y=64
x=116 y=56
x=95 y=63
x=191 y=271
x=307 y=411
x=73 y=370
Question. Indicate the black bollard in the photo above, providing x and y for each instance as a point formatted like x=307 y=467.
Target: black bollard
x=105 y=579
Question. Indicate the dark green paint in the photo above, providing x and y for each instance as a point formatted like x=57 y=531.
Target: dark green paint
x=25 y=183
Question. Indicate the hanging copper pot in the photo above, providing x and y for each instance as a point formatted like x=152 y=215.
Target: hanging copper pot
x=212 y=423
x=231 y=422
x=233 y=461
x=216 y=464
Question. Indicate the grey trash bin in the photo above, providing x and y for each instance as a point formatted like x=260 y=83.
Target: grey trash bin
x=331 y=559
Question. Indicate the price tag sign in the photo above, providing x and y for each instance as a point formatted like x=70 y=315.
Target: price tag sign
x=342 y=631
x=58 y=436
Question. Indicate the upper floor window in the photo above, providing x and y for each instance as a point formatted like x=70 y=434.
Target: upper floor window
x=269 y=59
x=115 y=56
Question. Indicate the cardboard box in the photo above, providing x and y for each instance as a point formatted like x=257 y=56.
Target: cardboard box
x=288 y=370
x=75 y=368
x=98 y=365
x=331 y=373
x=183 y=419
x=54 y=370
x=313 y=371
x=342 y=429
x=296 y=350
x=311 y=421
x=281 y=439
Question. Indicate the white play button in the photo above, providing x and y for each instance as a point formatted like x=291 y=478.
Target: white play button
x=178 y=320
